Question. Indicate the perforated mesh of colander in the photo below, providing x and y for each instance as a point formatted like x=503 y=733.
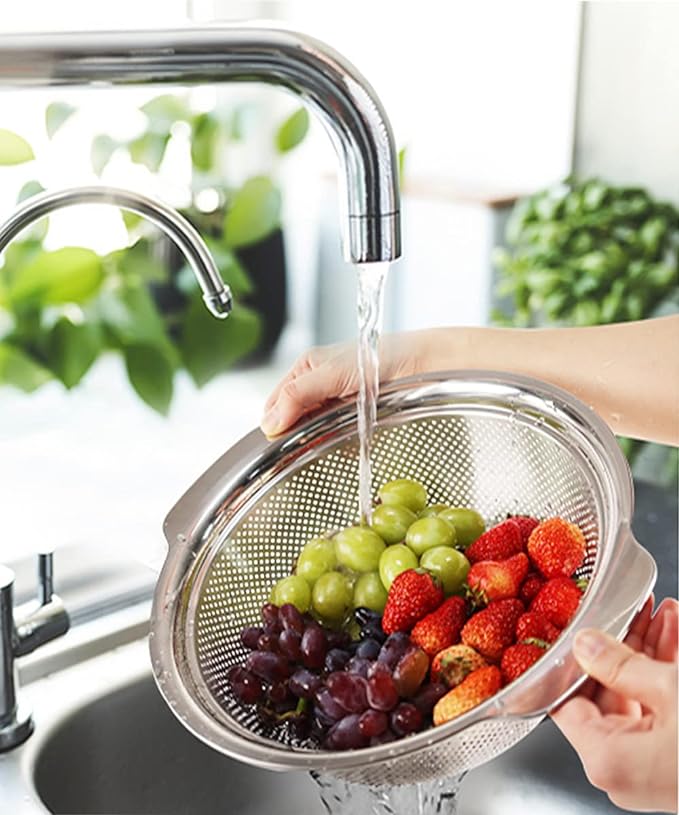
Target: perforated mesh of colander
x=496 y=463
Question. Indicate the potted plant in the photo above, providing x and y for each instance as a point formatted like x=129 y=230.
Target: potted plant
x=65 y=308
x=588 y=253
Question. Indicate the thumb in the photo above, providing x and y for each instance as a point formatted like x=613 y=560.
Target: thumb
x=617 y=666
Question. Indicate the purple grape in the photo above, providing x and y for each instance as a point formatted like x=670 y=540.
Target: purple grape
x=304 y=684
x=349 y=690
x=245 y=686
x=289 y=644
x=314 y=646
x=336 y=659
x=291 y=618
x=359 y=665
x=338 y=639
x=428 y=696
x=373 y=723
x=268 y=642
x=249 y=637
x=405 y=719
x=368 y=649
x=270 y=614
x=410 y=671
x=346 y=734
x=279 y=692
x=268 y=666
x=327 y=709
x=393 y=649
x=384 y=738
x=366 y=616
x=382 y=693
x=373 y=632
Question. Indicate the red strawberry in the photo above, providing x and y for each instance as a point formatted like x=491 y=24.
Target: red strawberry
x=498 y=543
x=474 y=689
x=413 y=594
x=497 y=580
x=442 y=627
x=535 y=626
x=518 y=658
x=526 y=525
x=531 y=585
x=454 y=663
x=557 y=600
x=557 y=547
x=492 y=630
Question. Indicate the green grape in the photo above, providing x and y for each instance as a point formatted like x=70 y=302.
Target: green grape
x=433 y=509
x=396 y=559
x=359 y=548
x=391 y=522
x=449 y=565
x=426 y=533
x=405 y=492
x=316 y=558
x=468 y=524
x=331 y=596
x=370 y=593
x=293 y=589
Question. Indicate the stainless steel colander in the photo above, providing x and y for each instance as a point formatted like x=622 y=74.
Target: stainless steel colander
x=500 y=443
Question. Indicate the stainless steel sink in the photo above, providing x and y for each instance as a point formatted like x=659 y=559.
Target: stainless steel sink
x=105 y=742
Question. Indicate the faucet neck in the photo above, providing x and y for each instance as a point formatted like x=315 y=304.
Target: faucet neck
x=340 y=96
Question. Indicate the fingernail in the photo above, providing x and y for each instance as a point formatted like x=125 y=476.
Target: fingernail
x=271 y=423
x=588 y=644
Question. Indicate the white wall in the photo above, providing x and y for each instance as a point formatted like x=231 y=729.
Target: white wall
x=628 y=115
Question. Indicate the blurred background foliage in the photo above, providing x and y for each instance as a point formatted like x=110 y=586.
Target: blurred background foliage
x=585 y=253
x=62 y=309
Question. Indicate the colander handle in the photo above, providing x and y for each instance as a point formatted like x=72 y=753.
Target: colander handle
x=620 y=593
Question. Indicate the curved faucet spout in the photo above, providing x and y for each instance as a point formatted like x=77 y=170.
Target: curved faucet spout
x=216 y=293
x=342 y=98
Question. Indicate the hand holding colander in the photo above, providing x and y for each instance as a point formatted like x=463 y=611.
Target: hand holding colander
x=503 y=444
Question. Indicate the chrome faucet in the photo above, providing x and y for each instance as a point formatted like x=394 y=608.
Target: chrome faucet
x=328 y=83
x=34 y=626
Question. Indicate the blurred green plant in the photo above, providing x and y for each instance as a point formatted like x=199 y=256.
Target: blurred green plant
x=69 y=306
x=585 y=253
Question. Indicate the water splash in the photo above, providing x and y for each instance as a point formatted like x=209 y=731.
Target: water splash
x=371 y=277
x=438 y=797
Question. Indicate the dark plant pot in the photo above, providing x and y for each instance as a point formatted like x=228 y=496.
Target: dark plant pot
x=265 y=263
x=266 y=268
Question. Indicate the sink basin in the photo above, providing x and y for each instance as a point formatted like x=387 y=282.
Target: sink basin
x=106 y=742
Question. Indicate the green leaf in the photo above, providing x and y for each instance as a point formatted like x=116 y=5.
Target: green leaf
x=103 y=147
x=20 y=370
x=30 y=189
x=71 y=349
x=231 y=269
x=151 y=374
x=254 y=213
x=210 y=346
x=68 y=275
x=137 y=263
x=56 y=115
x=204 y=140
x=130 y=314
x=292 y=131
x=402 y=163
x=149 y=149
x=14 y=149
x=163 y=111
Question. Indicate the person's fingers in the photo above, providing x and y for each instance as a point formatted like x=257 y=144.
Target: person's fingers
x=577 y=719
x=637 y=633
x=307 y=362
x=666 y=640
x=301 y=395
x=619 y=668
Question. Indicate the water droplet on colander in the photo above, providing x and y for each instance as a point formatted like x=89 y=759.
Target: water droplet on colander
x=559 y=662
x=181 y=538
